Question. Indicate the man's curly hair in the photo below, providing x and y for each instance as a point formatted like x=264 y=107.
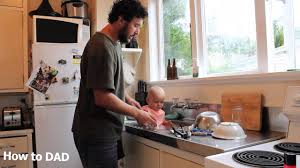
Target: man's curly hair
x=128 y=9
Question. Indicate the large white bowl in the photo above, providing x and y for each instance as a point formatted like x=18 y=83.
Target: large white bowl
x=229 y=130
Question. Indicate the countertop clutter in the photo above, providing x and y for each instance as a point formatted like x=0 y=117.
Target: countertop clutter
x=203 y=145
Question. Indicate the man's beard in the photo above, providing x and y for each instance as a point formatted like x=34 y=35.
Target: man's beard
x=123 y=36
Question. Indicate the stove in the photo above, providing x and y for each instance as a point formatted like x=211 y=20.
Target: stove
x=288 y=147
x=258 y=158
x=273 y=154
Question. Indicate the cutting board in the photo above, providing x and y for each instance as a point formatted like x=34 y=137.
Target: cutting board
x=251 y=112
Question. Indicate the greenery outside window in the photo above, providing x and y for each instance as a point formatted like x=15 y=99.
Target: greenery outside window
x=230 y=36
x=177 y=35
x=227 y=37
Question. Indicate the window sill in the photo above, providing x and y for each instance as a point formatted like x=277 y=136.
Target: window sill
x=233 y=79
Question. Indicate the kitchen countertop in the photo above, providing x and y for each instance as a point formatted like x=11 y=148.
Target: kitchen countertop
x=12 y=133
x=203 y=145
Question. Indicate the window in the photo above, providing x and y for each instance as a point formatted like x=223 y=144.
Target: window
x=177 y=35
x=277 y=32
x=227 y=37
x=284 y=34
x=230 y=36
x=296 y=9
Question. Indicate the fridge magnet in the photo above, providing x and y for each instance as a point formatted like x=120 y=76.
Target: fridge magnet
x=76 y=59
x=42 y=77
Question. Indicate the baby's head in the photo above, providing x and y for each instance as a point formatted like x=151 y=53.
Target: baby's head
x=155 y=98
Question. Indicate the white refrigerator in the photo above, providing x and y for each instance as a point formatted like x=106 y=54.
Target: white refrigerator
x=54 y=109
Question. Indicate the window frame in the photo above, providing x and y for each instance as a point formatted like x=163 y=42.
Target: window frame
x=198 y=47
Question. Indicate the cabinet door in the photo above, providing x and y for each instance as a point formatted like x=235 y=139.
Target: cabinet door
x=13 y=163
x=139 y=155
x=13 y=145
x=11 y=49
x=13 y=3
x=150 y=157
x=168 y=160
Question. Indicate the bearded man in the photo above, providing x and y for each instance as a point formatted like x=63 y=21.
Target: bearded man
x=101 y=106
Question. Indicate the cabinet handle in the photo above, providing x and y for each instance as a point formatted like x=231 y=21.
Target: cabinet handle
x=12 y=166
x=6 y=146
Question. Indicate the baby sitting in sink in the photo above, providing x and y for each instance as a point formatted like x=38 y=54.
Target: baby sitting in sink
x=155 y=100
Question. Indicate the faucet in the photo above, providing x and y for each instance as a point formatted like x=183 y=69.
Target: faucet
x=175 y=103
x=187 y=104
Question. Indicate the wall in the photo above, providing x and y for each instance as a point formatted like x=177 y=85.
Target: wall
x=99 y=13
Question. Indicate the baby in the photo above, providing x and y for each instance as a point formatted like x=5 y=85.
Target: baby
x=155 y=101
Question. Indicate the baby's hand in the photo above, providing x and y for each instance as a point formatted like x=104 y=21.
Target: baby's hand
x=167 y=124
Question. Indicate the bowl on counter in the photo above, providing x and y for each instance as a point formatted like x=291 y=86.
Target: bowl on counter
x=229 y=130
x=207 y=120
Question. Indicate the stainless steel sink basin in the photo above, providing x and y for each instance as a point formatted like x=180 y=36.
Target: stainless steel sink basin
x=182 y=122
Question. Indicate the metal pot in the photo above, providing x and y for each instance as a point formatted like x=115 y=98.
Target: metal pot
x=76 y=9
x=207 y=120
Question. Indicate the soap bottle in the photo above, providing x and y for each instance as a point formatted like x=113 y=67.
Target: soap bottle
x=174 y=70
x=169 y=70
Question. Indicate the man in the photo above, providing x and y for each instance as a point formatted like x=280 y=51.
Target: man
x=98 y=118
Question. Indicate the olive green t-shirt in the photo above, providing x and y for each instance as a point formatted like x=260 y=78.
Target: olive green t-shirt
x=101 y=68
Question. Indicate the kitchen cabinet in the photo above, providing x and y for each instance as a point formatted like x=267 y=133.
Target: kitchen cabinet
x=139 y=155
x=12 y=3
x=144 y=153
x=17 y=142
x=13 y=46
x=169 y=160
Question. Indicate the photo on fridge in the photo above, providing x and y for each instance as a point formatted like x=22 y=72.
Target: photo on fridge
x=42 y=77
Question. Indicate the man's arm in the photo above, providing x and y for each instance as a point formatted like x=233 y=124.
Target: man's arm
x=131 y=101
x=105 y=99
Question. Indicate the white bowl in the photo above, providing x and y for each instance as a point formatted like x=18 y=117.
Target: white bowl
x=229 y=130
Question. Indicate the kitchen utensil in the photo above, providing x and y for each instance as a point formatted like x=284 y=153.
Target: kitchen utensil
x=179 y=133
x=208 y=120
x=75 y=8
x=141 y=94
x=229 y=130
x=250 y=112
x=44 y=9
x=200 y=132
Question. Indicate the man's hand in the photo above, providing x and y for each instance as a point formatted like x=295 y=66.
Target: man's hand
x=133 y=102
x=145 y=119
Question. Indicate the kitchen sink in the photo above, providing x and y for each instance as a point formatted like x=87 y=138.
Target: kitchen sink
x=184 y=122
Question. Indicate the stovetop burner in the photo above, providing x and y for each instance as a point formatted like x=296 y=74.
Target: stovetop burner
x=256 y=158
x=288 y=147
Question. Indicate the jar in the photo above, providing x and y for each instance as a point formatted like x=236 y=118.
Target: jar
x=236 y=113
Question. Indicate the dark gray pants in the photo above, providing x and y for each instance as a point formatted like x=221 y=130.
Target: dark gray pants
x=96 y=153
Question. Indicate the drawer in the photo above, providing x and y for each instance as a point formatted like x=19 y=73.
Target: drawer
x=13 y=164
x=12 y=3
x=14 y=145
